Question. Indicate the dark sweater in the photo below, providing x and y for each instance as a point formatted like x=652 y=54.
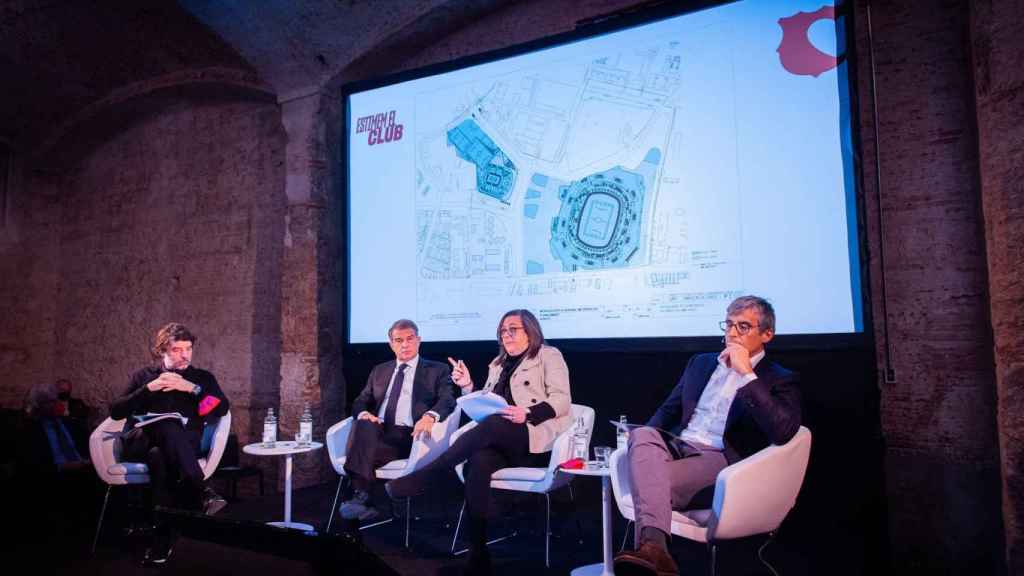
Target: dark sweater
x=138 y=399
x=508 y=366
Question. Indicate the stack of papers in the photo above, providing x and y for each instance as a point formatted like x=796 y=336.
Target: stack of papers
x=150 y=417
x=480 y=404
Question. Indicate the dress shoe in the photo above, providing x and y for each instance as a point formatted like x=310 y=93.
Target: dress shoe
x=159 y=552
x=648 y=560
x=157 y=555
x=212 y=502
x=358 y=507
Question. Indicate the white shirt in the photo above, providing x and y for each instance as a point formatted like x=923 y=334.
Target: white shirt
x=403 y=411
x=708 y=422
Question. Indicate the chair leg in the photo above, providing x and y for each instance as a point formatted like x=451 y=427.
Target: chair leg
x=629 y=524
x=547 y=532
x=334 y=506
x=99 y=523
x=760 y=553
x=714 y=560
x=576 y=514
x=378 y=523
x=408 y=511
x=458 y=525
x=455 y=538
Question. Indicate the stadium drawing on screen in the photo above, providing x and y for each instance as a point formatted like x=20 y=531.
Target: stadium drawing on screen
x=625 y=185
x=538 y=179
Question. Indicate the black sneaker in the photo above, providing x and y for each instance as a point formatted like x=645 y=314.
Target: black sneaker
x=159 y=552
x=212 y=502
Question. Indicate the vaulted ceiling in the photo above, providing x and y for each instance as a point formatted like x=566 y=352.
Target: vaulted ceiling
x=57 y=58
x=64 y=60
x=300 y=45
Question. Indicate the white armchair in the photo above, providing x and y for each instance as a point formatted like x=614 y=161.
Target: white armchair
x=752 y=496
x=424 y=451
x=105 y=452
x=536 y=480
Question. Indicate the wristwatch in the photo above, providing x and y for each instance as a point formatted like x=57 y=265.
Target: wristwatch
x=197 y=389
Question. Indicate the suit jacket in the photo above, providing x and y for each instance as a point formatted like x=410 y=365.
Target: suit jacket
x=765 y=411
x=431 y=389
x=543 y=378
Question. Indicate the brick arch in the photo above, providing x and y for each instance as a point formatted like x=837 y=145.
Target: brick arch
x=392 y=51
x=124 y=104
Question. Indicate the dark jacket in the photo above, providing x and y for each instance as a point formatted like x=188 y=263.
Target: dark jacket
x=765 y=410
x=431 y=389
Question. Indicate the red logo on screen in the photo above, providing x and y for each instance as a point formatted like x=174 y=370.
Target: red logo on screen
x=796 y=53
x=381 y=128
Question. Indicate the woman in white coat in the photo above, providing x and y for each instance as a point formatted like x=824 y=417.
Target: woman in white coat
x=534 y=380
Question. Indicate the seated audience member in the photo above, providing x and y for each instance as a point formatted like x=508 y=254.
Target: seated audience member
x=76 y=408
x=534 y=380
x=728 y=405
x=54 y=474
x=170 y=448
x=403 y=398
x=58 y=441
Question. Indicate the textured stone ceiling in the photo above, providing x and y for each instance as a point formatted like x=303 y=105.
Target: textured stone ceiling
x=59 y=57
x=299 y=46
x=62 y=59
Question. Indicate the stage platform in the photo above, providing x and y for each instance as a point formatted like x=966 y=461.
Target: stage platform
x=236 y=541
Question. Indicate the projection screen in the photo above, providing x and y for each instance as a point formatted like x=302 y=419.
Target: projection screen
x=627 y=184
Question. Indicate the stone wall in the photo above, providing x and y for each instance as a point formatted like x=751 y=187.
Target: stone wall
x=29 y=273
x=996 y=50
x=938 y=415
x=176 y=216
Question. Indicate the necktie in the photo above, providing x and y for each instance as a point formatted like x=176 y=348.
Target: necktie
x=396 y=391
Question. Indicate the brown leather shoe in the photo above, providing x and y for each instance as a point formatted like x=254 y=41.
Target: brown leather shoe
x=648 y=560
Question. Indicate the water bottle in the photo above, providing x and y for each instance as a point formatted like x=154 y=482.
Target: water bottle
x=622 y=434
x=269 y=429
x=305 y=427
x=579 y=440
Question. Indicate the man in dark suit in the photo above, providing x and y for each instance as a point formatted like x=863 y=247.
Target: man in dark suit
x=403 y=398
x=725 y=407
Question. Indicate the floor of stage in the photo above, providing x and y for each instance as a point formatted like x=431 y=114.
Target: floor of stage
x=434 y=521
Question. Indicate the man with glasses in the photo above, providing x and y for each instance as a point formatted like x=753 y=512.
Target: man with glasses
x=726 y=406
x=403 y=398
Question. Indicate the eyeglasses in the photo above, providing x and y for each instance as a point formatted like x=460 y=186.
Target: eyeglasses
x=511 y=331
x=741 y=327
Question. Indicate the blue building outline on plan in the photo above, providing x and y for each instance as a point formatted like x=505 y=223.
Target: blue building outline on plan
x=495 y=172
